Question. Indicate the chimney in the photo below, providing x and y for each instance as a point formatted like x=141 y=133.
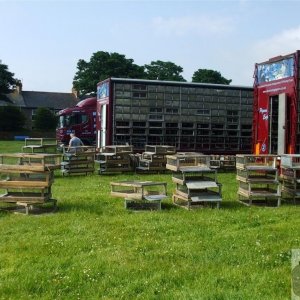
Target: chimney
x=19 y=86
x=75 y=92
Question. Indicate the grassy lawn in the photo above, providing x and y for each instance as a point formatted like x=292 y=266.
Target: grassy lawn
x=91 y=248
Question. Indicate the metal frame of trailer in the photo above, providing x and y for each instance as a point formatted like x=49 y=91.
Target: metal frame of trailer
x=209 y=118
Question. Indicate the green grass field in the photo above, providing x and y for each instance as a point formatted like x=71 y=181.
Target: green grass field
x=92 y=248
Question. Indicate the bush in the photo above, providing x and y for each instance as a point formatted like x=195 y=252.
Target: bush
x=11 y=118
x=44 y=119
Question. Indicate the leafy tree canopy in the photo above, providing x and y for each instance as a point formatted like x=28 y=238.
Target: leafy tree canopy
x=209 y=76
x=45 y=119
x=7 y=80
x=103 y=65
x=11 y=118
x=164 y=71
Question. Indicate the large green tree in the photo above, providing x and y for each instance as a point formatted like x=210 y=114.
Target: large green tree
x=103 y=65
x=209 y=76
x=162 y=70
x=7 y=80
x=11 y=118
x=45 y=119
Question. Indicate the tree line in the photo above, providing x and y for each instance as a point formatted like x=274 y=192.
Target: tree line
x=101 y=65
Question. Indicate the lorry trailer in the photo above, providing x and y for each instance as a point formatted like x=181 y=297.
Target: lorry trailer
x=208 y=118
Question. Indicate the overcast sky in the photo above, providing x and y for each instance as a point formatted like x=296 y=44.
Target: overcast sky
x=42 y=41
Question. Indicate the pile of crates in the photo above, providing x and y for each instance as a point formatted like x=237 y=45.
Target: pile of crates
x=78 y=160
x=258 y=180
x=196 y=182
x=155 y=158
x=290 y=176
x=114 y=159
x=27 y=179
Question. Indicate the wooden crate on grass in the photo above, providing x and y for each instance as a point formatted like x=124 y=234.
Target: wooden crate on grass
x=140 y=194
x=155 y=158
x=78 y=160
x=114 y=159
x=196 y=187
x=26 y=179
x=257 y=176
x=290 y=177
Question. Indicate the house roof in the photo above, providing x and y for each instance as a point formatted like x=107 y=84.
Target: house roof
x=16 y=99
x=48 y=99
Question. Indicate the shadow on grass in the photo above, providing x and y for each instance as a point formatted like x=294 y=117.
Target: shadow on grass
x=168 y=206
x=290 y=201
x=88 y=207
x=231 y=205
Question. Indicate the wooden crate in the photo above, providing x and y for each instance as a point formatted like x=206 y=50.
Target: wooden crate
x=194 y=174
x=183 y=160
x=291 y=188
x=290 y=177
x=40 y=145
x=291 y=161
x=79 y=161
x=215 y=162
x=155 y=158
x=32 y=196
x=116 y=149
x=160 y=149
x=223 y=162
x=114 y=159
x=29 y=162
x=196 y=186
x=206 y=198
x=152 y=162
x=228 y=162
x=257 y=176
x=140 y=192
x=257 y=162
x=26 y=179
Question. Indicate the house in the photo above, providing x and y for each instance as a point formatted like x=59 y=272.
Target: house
x=30 y=101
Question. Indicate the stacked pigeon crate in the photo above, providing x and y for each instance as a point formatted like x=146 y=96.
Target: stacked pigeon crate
x=27 y=178
x=222 y=162
x=196 y=182
x=290 y=175
x=155 y=158
x=78 y=160
x=257 y=177
x=114 y=159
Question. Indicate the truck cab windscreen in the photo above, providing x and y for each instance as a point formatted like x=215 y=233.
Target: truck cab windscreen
x=69 y=120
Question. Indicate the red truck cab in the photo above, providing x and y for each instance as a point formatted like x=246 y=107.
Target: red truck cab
x=80 y=119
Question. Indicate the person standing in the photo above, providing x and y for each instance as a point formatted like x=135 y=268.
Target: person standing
x=74 y=142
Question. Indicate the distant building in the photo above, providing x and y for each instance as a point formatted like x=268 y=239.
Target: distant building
x=29 y=101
